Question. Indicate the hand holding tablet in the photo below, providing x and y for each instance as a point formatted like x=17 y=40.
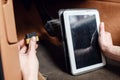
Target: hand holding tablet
x=80 y=34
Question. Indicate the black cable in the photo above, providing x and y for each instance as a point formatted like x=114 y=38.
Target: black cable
x=52 y=25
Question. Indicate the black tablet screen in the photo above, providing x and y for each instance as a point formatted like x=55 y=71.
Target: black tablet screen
x=85 y=40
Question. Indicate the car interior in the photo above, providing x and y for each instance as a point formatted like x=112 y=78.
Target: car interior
x=20 y=17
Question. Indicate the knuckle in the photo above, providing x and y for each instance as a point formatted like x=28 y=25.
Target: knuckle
x=108 y=33
x=32 y=51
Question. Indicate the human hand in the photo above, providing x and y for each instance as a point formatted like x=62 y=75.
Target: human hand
x=105 y=39
x=106 y=44
x=28 y=60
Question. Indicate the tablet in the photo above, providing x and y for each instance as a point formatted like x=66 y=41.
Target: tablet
x=80 y=29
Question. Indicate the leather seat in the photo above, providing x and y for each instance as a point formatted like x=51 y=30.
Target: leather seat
x=109 y=13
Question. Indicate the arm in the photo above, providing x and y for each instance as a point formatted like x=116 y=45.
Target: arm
x=106 y=44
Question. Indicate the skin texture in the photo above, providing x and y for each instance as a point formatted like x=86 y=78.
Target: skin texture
x=28 y=60
x=106 y=44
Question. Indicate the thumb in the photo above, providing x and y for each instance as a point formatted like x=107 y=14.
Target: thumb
x=32 y=44
x=102 y=27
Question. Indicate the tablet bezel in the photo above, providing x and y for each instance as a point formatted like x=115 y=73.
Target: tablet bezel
x=66 y=14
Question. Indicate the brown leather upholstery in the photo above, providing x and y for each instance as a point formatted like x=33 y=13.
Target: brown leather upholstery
x=8 y=38
x=110 y=0
x=109 y=13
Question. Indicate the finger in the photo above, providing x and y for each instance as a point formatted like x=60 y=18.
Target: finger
x=36 y=46
x=32 y=44
x=23 y=50
x=102 y=27
x=20 y=44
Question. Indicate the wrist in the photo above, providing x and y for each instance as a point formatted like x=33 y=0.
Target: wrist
x=113 y=52
x=107 y=49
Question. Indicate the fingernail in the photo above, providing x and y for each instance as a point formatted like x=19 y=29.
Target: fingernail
x=102 y=23
x=33 y=38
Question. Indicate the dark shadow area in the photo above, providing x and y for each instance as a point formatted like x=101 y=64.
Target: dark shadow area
x=113 y=66
x=51 y=2
x=56 y=53
x=1 y=70
x=114 y=69
x=53 y=63
x=43 y=7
